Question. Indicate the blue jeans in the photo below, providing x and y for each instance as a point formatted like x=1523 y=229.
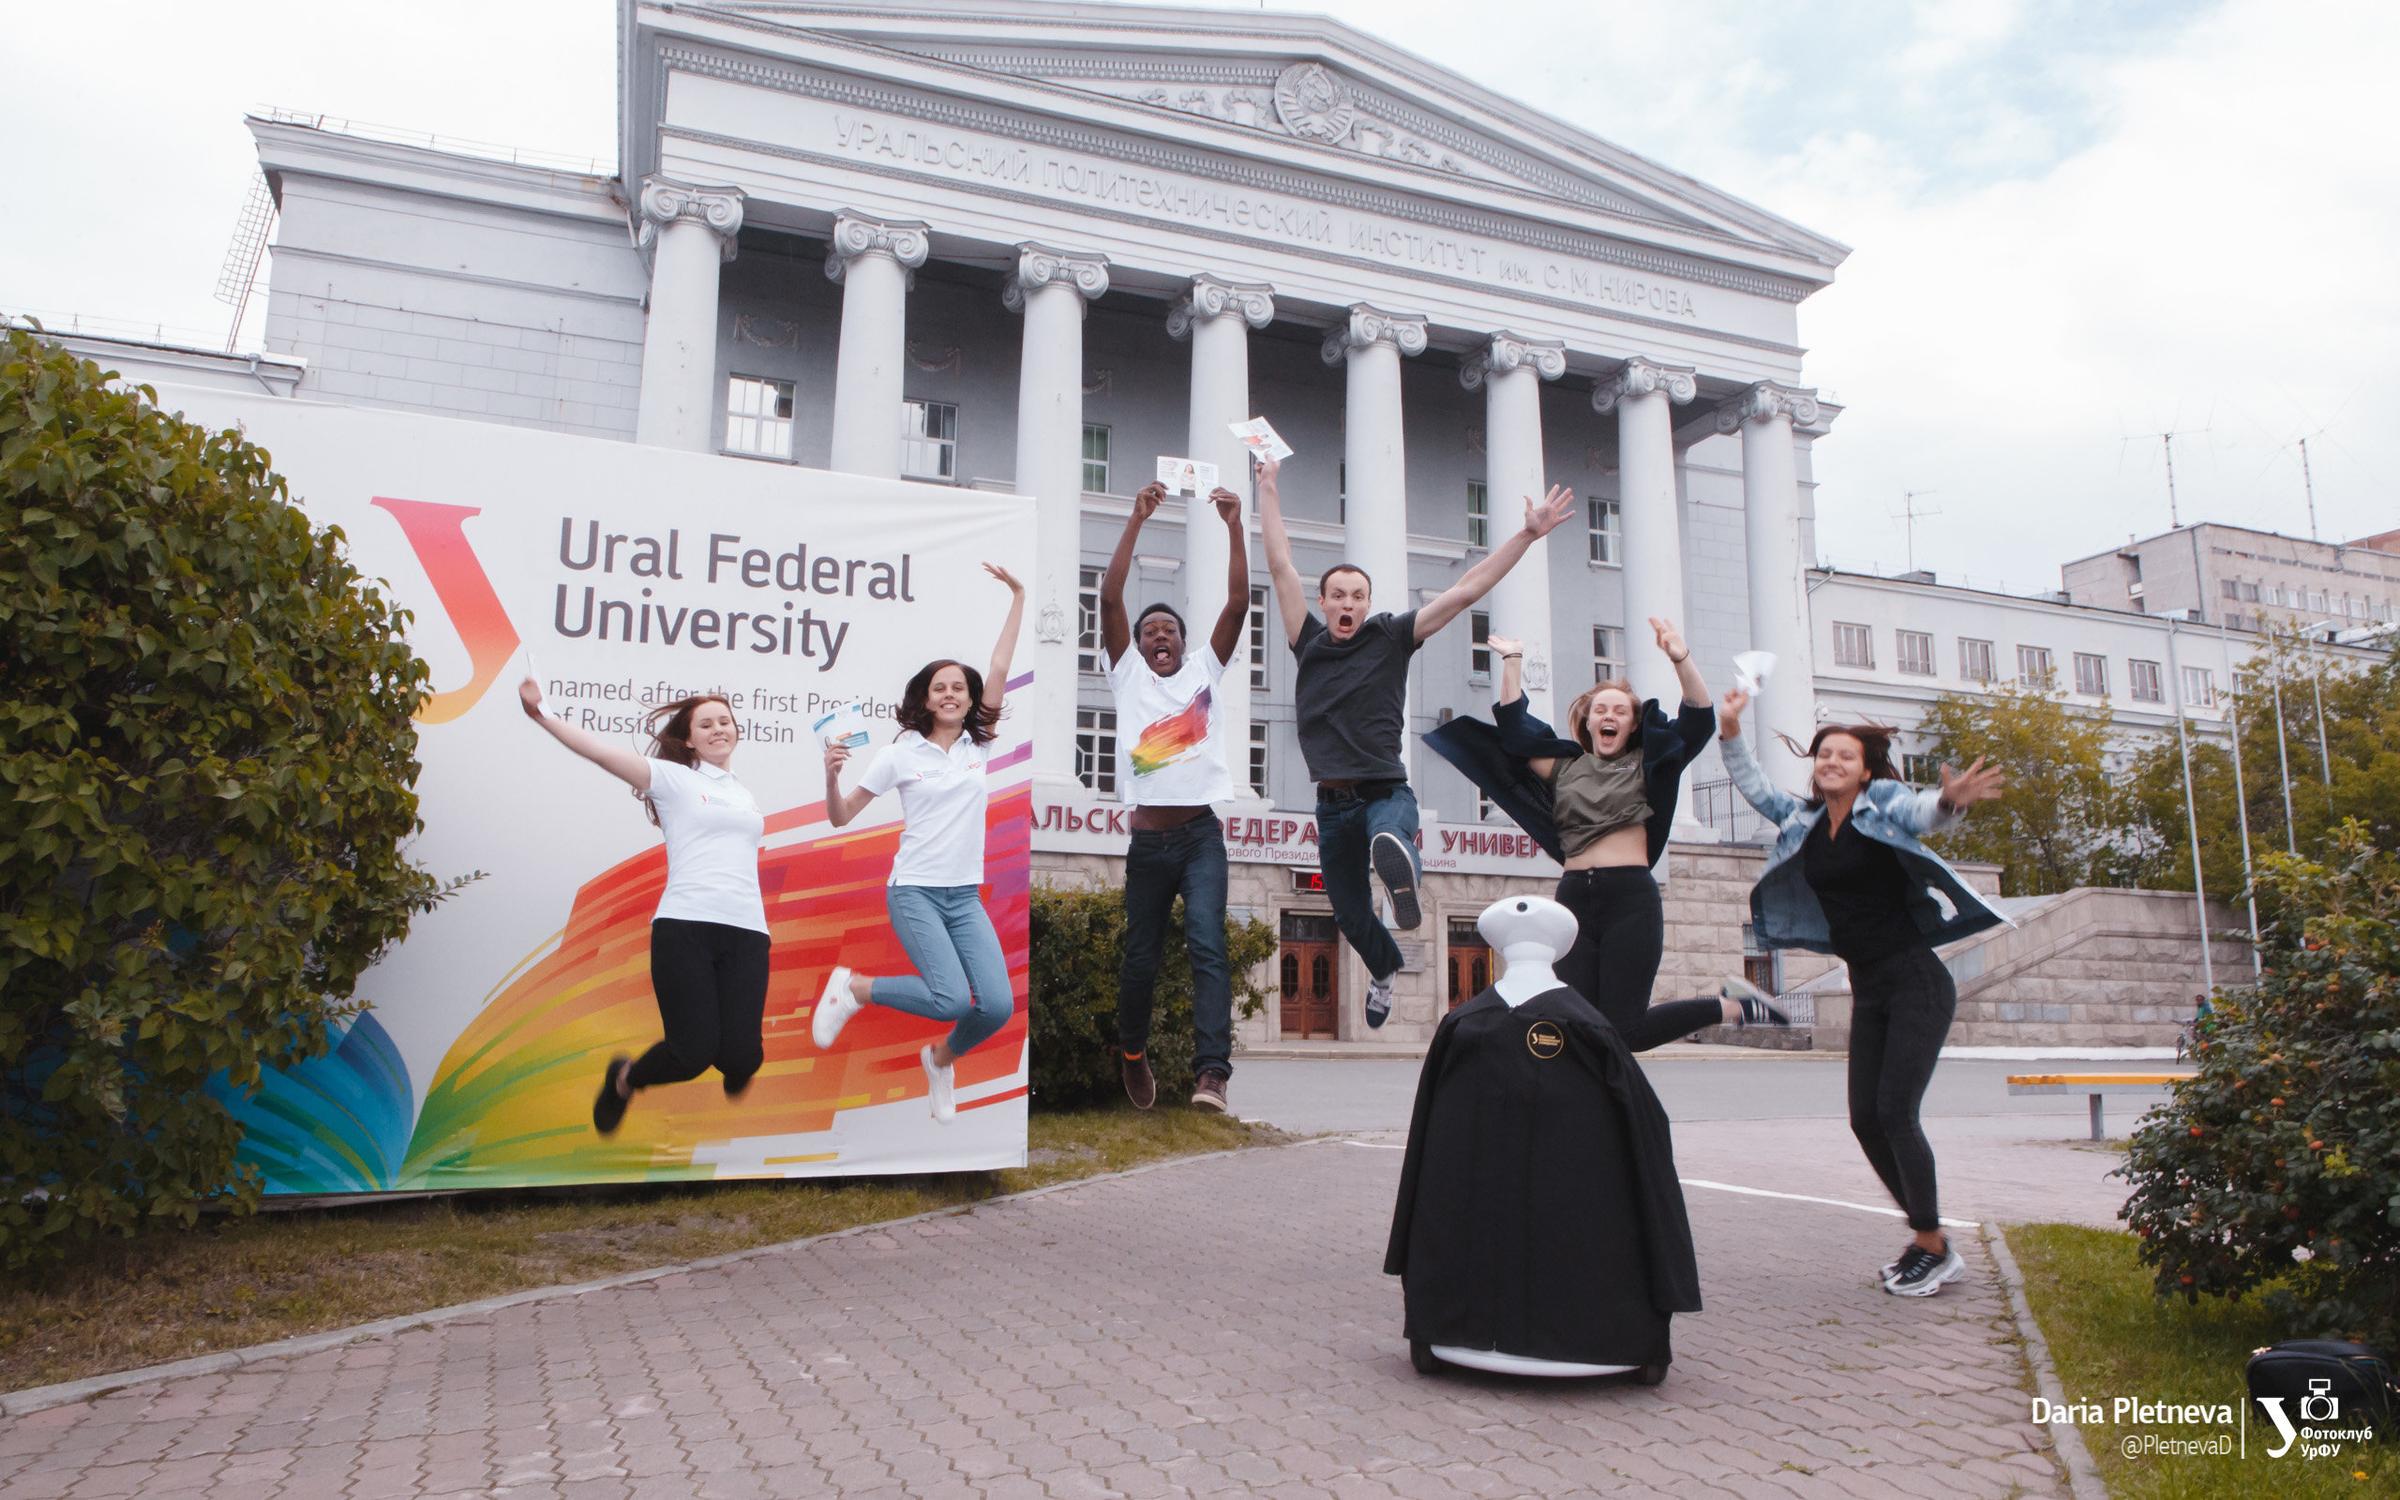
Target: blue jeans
x=961 y=976
x=1160 y=864
x=1346 y=823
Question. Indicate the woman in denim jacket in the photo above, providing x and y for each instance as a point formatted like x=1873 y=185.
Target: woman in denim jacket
x=1849 y=878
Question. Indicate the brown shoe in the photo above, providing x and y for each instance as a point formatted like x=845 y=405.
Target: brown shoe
x=1140 y=1086
x=1209 y=1092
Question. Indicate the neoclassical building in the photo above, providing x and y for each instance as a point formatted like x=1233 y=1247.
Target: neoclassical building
x=1029 y=247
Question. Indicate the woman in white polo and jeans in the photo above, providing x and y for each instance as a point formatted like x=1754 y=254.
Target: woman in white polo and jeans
x=708 y=939
x=949 y=714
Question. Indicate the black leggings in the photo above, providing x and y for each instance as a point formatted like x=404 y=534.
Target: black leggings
x=711 y=983
x=1620 y=934
x=1900 y=1009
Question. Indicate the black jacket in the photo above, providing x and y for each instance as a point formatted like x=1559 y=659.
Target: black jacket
x=1494 y=757
x=1539 y=1213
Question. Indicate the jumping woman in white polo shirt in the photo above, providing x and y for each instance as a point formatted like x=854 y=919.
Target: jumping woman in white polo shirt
x=948 y=714
x=708 y=940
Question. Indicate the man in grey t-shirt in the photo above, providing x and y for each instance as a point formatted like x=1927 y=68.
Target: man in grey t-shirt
x=1351 y=693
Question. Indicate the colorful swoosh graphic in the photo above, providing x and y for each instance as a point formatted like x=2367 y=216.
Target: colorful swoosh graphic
x=438 y=534
x=1173 y=737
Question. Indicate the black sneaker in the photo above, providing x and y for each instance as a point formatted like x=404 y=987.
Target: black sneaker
x=1757 y=1008
x=1379 y=1001
x=1921 y=1272
x=608 y=1110
x=1141 y=1086
x=1209 y=1092
x=1398 y=872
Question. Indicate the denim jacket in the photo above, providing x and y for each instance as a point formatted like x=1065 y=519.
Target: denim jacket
x=1494 y=756
x=1784 y=907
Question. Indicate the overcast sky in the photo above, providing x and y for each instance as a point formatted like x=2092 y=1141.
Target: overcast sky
x=2075 y=225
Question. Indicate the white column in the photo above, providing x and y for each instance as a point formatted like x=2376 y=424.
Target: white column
x=1049 y=290
x=1511 y=369
x=1375 y=516
x=1217 y=317
x=688 y=233
x=874 y=260
x=1640 y=395
x=1764 y=415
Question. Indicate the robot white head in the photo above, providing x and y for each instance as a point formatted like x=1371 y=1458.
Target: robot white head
x=1529 y=933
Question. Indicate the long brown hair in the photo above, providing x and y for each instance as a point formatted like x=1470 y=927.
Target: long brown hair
x=670 y=726
x=1579 y=713
x=1874 y=753
x=916 y=709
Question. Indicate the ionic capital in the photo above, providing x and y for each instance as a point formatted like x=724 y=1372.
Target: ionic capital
x=1646 y=377
x=1504 y=351
x=665 y=201
x=1369 y=326
x=1211 y=297
x=1039 y=266
x=853 y=236
x=1766 y=401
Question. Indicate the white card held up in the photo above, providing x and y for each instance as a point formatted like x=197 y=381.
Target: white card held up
x=1187 y=476
x=1751 y=669
x=1264 y=443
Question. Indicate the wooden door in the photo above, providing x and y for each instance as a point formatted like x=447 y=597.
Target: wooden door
x=1470 y=963
x=1310 y=970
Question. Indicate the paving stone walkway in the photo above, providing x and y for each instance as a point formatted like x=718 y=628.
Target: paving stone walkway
x=1215 y=1326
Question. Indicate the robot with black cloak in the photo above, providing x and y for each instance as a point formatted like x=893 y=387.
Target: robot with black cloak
x=1540 y=1228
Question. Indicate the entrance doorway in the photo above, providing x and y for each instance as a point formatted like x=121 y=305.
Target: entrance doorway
x=1311 y=970
x=1470 y=962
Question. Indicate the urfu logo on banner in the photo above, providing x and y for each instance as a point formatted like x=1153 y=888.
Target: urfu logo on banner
x=438 y=535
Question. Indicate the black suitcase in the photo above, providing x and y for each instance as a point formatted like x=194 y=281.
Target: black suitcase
x=2328 y=1382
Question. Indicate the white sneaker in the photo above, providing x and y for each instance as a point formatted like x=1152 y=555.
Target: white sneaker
x=1379 y=1001
x=938 y=1089
x=835 y=1006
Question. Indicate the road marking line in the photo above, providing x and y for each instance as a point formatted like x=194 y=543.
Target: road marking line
x=1864 y=1208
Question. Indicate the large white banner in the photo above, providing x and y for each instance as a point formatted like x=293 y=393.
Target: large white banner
x=634 y=575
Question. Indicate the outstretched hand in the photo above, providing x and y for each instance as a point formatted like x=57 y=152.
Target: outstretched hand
x=1670 y=640
x=529 y=697
x=1004 y=576
x=1977 y=783
x=837 y=755
x=1729 y=714
x=1550 y=512
x=1148 y=499
x=1504 y=644
x=1229 y=505
x=1266 y=469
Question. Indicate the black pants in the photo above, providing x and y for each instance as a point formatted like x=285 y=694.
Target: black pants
x=1620 y=934
x=1900 y=1010
x=711 y=983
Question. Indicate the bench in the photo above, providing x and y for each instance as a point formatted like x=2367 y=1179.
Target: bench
x=2094 y=1084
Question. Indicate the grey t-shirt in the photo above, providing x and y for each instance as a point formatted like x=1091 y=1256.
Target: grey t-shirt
x=1352 y=697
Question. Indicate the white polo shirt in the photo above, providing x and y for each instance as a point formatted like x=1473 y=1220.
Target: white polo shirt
x=1170 y=740
x=942 y=804
x=713 y=828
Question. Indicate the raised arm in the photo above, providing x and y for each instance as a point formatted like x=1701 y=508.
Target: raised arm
x=1670 y=640
x=1289 y=600
x=1512 y=688
x=1924 y=811
x=995 y=678
x=620 y=761
x=1236 y=612
x=1116 y=632
x=1541 y=518
x=1773 y=803
x=841 y=806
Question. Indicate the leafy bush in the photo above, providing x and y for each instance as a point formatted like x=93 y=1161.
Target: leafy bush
x=1078 y=940
x=205 y=765
x=2277 y=1168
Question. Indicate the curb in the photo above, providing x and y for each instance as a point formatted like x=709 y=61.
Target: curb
x=67 y=1393
x=2083 y=1476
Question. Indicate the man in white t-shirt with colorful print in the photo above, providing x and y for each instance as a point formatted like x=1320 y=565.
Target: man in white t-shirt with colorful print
x=1171 y=767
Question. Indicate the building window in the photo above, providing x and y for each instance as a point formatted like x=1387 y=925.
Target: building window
x=1088 y=655
x=2145 y=684
x=1479 y=644
x=2199 y=687
x=1258 y=638
x=1096 y=748
x=758 y=417
x=2091 y=674
x=1484 y=806
x=1341 y=491
x=2249 y=593
x=928 y=440
x=1479 y=514
x=1921 y=770
x=1853 y=645
x=1974 y=660
x=2033 y=666
x=1608 y=652
x=1916 y=652
x=2232 y=589
x=1095 y=458
x=1607 y=543
x=1258 y=758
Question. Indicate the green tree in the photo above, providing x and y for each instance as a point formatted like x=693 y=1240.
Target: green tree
x=2276 y=1169
x=206 y=763
x=2056 y=827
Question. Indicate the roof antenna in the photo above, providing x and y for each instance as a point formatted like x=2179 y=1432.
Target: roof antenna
x=2167 y=441
x=1908 y=515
